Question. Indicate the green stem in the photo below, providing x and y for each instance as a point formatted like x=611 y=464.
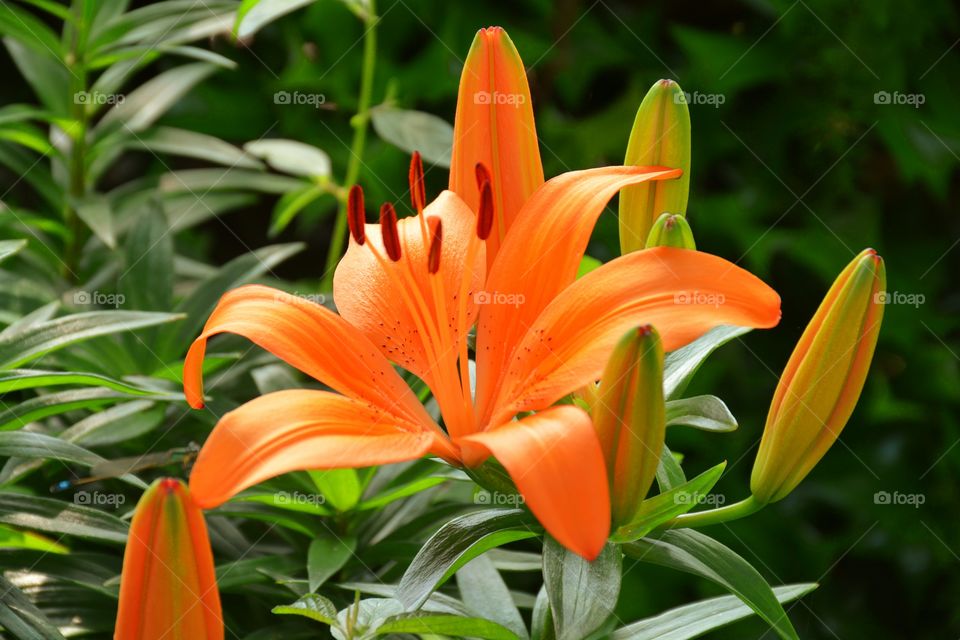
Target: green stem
x=359 y=122
x=76 y=187
x=730 y=512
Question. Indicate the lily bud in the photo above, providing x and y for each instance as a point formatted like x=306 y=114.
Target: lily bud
x=629 y=415
x=660 y=137
x=671 y=230
x=167 y=587
x=823 y=379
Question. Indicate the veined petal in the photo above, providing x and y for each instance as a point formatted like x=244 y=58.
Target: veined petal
x=295 y=430
x=388 y=301
x=554 y=458
x=680 y=292
x=167 y=587
x=494 y=125
x=540 y=258
x=309 y=337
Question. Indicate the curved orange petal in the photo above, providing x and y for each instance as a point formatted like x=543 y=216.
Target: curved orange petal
x=554 y=458
x=682 y=293
x=309 y=337
x=295 y=430
x=494 y=125
x=540 y=258
x=384 y=304
x=167 y=587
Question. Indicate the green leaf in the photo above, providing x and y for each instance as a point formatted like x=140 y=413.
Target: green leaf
x=587 y=264
x=582 y=594
x=37 y=445
x=668 y=505
x=13 y=539
x=445 y=625
x=18 y=379
x=708 y=413
x=23 y=413
x=10 y=248
x=202 y=180
x=326 y=556
x=415 y=131
x=20 y=617
x=38 y=315
x=669 y=472
x=312 y=606
x=541 y=620
x=190 y=144
x=253 y=15
x=148 y=102
x=693 y=552
x=24 y=27
x=403 y=491
x=291 y=204
x=455 y=544
x=290 y=156
x=341 y=487
x=695 y=619
x=57 y=516
x=487 y=596
x=679 y=366
x=52 y=335
x=146 y=280
x=96 y=213
x=47 y=75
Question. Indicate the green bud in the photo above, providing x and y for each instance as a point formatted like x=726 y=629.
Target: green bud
x=660 y=137
x=671 y=230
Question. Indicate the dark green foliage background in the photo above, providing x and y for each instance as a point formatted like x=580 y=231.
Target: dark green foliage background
x=794 y=173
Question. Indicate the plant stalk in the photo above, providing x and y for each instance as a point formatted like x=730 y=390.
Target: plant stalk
x=734 y=511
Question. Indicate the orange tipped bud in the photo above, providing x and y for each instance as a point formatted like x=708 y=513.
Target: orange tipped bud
x=167 y=587
x=629 y=414
x=494 y=126
x=356 y=216
x=418 y=193
x=436 y=240
x=822 y=380
x=388 y=229
x=660 y=137
x=485 y=214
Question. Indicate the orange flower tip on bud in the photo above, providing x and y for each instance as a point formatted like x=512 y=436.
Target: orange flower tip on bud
x=823 y=379
x=436 y=240
x=629 y=416
x=356 y=217
x=418 y=196
x=485 y=214
x=389 y=232
x=660 y=137
x=671 y=230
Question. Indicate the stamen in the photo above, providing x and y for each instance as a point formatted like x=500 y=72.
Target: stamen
x=418 y=196
x=436 y=239
x=388 y=229
x=356 y=216
x=485 y=214
x=483 y=174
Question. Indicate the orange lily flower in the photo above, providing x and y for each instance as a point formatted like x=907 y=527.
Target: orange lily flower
x=167 y=587
x=408 y=293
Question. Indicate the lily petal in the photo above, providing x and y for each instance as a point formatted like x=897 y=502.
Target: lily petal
x=309 y=337
x=295 y=430
x=494 y=126
x=167 y=587
x=383 y=304
x=555 y=460
x=540 y=258
x=682 y=293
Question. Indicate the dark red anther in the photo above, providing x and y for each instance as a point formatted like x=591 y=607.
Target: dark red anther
x=436 y=239
x=356 y=216
x=485 y=212
x=388 y=229
x=418 y=196
x=483 y=174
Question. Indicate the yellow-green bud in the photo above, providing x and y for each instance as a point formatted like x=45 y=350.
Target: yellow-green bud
x=671 y=230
